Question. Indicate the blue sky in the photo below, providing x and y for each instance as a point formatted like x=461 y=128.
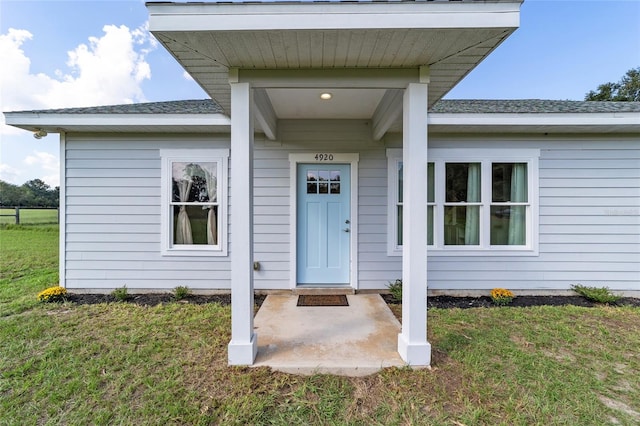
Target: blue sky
x=62 y=54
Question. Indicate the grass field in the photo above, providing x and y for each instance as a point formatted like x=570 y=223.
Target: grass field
x=126 y=364
x=29 y=216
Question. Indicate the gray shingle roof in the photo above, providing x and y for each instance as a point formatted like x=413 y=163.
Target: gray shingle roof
x=458 y=106
x=200 y=106
x=531 y=106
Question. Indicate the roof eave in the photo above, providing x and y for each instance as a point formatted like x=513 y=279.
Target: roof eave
x=56 y=123
x=627 y=122
x=256 y=16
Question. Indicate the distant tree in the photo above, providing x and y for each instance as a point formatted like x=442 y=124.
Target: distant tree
x=12 y=195
x=34 y=193
x=626 y=90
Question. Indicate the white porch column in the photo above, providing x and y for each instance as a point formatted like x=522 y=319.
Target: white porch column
x=412 y=341
x=244 y=342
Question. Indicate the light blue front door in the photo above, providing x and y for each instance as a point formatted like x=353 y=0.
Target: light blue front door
x=324 y=219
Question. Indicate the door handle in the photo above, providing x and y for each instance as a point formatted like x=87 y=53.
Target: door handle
x=346 y=230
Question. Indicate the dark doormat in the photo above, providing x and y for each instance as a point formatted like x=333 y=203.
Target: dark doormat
x=323 y=300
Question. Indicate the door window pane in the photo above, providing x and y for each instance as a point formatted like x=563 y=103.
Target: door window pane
x=334 y=186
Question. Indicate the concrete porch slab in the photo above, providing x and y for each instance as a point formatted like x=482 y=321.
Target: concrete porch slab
x=354 y=340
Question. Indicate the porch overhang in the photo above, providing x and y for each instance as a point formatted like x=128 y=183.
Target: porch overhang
x=447 y=38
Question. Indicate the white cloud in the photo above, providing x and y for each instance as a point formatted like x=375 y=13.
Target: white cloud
x=48 y=163
x=9 y=174
x=107 y=70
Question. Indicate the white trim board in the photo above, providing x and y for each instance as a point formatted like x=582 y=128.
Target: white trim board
x=338 y=158
x=62 y=213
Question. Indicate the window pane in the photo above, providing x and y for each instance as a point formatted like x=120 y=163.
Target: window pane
x=335 y=188
x=508 y=225
x=463 y=182
x=324 y=187
x=194 y=182
x=399 y=225
x=509 y=182
x=400 y=182
x=195 y=225
x=312 y=188
x=431 y=182
x=462 y=225
x=312 y=175
x=324 y=175
x=335 y=175
x=430 y=225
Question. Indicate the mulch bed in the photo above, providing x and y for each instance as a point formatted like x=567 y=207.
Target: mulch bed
x=445 y=302
x=153 y=299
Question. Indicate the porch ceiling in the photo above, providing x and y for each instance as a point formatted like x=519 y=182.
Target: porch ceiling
x=451 y=38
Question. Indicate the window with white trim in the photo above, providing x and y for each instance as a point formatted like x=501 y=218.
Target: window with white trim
x=193 y=201
x=478 y=201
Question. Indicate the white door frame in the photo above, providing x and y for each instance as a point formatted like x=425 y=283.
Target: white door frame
x=323 y=158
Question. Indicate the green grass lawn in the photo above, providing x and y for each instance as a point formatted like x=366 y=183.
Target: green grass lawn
x=126 y=364
x=29 y=216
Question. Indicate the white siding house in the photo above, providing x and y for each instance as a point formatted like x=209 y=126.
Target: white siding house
x=326 y=158
x=587 y=200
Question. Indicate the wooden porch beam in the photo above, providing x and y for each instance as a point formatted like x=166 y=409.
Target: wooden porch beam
x=265 y=114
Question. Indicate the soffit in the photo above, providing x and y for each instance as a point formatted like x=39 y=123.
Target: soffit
x=450 y=37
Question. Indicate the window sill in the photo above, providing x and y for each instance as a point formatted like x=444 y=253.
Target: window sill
x=193 y=253
x=433 y=252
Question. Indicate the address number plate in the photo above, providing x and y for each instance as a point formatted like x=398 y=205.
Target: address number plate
x=324 y=157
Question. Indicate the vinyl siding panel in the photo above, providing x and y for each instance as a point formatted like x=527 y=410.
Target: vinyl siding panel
x=272 y=195
x=589 y=202
x=589 y=223
x=113 y=229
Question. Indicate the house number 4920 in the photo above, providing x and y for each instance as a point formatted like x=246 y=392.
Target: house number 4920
x=324 y=157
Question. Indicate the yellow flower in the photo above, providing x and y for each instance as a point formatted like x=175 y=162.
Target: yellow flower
x=52 y=294
x=501 y=296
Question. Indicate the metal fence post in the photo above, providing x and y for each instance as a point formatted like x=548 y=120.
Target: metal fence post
x=17 y=215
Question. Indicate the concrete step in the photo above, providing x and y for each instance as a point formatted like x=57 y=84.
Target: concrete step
x=318 y=291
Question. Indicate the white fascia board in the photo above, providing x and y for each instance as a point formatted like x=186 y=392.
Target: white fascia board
x=546 y=119
x=331 y=16
x=30 y=121
x=351 y=78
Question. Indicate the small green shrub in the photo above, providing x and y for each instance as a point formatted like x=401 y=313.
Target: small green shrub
x=501 y=296
x=53 y=294
x=121 y=294
x=181 y=292
x=395 y=288
x=596 y=294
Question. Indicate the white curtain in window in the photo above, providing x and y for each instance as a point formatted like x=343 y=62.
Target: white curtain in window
x=212 y=220
x=472 y=225
x=183 y=225
x=517 y=220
